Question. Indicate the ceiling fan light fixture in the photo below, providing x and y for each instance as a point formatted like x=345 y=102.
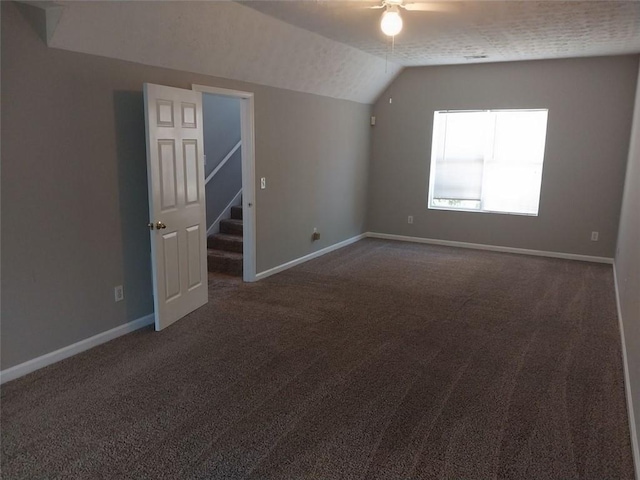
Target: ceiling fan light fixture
x=391 y=23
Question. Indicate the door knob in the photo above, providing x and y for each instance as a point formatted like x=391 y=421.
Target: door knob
x=160 y=225
x=150 y=225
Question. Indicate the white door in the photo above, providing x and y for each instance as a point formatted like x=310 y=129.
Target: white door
x=175 y=169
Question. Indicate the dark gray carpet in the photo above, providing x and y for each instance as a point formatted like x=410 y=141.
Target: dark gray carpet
x=382 y=360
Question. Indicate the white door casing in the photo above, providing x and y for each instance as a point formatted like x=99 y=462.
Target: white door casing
x=175 y=171
x=247 y=137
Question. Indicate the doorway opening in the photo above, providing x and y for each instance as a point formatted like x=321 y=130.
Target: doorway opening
x=229 y=180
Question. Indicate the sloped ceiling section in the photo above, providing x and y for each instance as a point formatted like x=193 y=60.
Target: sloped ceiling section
x=223 y=39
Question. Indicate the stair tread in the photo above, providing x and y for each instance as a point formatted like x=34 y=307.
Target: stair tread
x=224 y=254
x=232 y=221
x=231 y=226
x=231 y=237
x=223 y=261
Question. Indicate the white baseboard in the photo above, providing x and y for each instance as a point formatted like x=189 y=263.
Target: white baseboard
x=306 y=258
x=627 y=384
x=493 y=248
x=70 y=350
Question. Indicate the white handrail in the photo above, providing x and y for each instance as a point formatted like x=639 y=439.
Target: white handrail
x=221 y=164
x=225 y=212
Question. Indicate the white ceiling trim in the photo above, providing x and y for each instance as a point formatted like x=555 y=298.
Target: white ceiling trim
x=223 y=39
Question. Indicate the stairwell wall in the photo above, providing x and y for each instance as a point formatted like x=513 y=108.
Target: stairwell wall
x=74 y=188
x=221 y=125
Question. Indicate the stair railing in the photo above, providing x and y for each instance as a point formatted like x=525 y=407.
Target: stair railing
x=222 y=163
x=236 y=196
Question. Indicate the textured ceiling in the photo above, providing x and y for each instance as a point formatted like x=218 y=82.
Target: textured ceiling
x=501 y=30
x=334 y=47
x=223 y=39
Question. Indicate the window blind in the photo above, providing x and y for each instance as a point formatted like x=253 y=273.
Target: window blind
x=494 y=158
x=460 y=158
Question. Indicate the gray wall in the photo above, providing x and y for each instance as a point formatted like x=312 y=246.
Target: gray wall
x=221 y=127
x=222 y=132
x=590 y=104
x=74 y=185
x=627 y=263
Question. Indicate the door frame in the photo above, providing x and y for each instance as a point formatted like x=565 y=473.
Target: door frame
x=247 y=136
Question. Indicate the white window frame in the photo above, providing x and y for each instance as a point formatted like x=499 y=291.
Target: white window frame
x=436 y=145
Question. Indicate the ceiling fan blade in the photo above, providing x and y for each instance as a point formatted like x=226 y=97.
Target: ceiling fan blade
x=376 y=7
x=431 y=7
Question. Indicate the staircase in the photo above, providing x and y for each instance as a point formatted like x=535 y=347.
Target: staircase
x=224 y=253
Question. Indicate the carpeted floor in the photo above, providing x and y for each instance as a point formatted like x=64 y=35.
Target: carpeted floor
x=382 y=360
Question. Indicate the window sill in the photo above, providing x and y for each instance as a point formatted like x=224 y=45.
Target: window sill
x=473 y=210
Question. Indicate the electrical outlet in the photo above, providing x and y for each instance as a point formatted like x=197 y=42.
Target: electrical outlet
x=410 y=219
x=118 y=293
x=594 y=236
x=263 y=183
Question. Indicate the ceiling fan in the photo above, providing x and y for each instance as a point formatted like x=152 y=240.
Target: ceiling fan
x=391 y=21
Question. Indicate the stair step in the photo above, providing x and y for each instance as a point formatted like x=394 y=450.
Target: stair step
x=226 y=242
x=224 y=262
x=236 y=212
x=231 y=226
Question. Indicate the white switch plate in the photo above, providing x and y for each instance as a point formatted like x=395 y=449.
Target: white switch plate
x=118 y=293
x=410 y=219
x=263 y=183
x=594 y=236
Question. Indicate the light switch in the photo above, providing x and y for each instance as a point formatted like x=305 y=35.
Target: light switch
x=263 y=183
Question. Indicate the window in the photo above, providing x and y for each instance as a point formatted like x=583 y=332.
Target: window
x=487 y=161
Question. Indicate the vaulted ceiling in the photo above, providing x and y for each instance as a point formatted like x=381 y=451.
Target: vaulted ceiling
x=223 y=39
x=334 y=47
